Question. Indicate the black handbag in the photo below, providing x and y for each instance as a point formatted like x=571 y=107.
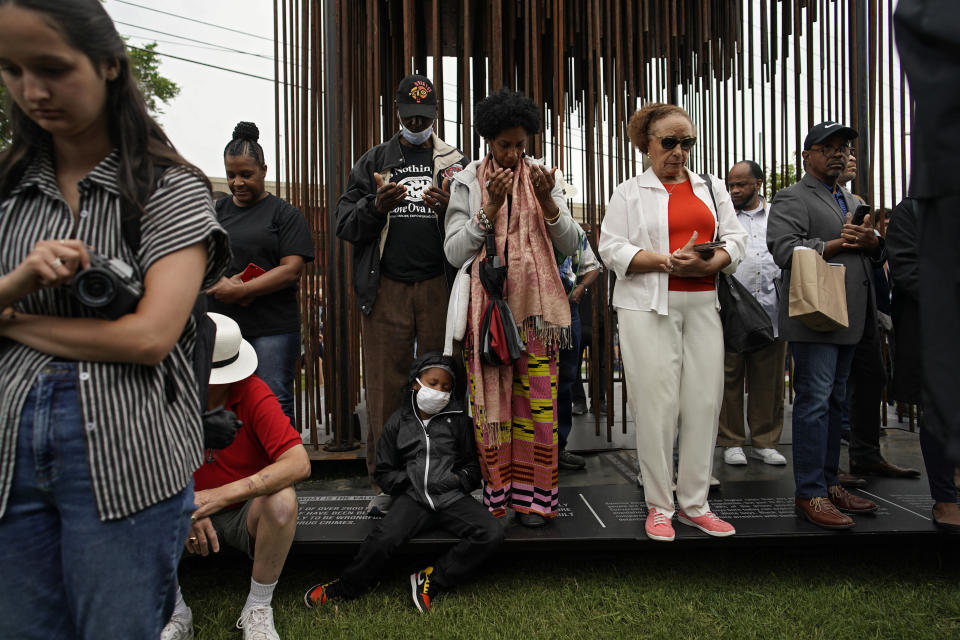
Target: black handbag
x=746 y=326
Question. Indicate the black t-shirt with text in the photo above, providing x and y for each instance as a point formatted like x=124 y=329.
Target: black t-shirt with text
x=264 y=233
x=414 y=248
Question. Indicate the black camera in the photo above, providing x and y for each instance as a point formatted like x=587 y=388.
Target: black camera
x=107 y=287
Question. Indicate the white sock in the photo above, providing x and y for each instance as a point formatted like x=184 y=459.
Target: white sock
x=260 y=594
x=180 y=610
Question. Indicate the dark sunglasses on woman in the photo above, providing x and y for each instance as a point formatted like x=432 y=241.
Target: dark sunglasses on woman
x=669 y=142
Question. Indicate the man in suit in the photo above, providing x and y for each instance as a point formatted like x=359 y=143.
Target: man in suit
x=928 y=38
x=816 y=213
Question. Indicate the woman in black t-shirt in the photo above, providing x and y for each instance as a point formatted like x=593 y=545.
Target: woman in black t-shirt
x=271 y=243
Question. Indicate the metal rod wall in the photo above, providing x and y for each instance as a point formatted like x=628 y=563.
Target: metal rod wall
x=753 y=74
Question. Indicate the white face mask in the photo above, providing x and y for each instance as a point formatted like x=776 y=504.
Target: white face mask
x=418 y=137
x=431 y=401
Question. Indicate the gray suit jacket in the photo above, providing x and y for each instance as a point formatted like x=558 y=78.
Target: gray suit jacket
x=805 y=214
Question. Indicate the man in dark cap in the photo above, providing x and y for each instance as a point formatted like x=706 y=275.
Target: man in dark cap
x=393 y=213
x=816 y=213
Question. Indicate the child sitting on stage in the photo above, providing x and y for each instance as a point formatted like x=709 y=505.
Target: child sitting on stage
x=427 y=459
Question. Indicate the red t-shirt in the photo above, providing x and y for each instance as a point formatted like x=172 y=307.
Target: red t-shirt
x=687 y=213
x=266 y=433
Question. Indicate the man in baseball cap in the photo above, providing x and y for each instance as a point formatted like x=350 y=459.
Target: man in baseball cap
x=416 y=98
x=819 y=133
x=816 y=213
x=393 y=213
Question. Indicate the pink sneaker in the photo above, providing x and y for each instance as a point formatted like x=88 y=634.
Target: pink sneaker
x=658 y=527
x=709 y=524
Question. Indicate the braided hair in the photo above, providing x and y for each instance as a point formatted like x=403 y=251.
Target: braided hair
x=244 y=143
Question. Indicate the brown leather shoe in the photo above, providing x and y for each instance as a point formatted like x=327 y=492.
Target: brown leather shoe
x=882 y=468
x=849 y=503
x=849 y=481
x=821 y=512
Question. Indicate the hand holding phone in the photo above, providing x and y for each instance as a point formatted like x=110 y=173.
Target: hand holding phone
x=252 y=271
x=707 y=249
x=859 y=214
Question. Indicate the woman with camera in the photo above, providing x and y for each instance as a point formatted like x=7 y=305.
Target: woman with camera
x=666 y=234
x=271 y=243
x=99 y=417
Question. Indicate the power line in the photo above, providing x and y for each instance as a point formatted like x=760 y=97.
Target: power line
x=209 y=24
x=150 y=39
x=205 y=64
x=207 y=44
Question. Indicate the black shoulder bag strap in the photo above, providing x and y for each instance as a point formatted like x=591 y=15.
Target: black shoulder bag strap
x=713 y=198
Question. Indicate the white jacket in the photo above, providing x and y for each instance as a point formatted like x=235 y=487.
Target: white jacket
x=636 y=220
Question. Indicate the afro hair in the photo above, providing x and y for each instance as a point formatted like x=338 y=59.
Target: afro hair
x=504 y=110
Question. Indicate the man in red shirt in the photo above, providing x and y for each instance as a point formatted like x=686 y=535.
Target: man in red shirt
x=244 y=493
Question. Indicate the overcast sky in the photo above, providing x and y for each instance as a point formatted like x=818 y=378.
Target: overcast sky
x=200 y=120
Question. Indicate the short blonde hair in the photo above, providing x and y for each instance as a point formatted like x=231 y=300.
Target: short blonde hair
x=649 y=113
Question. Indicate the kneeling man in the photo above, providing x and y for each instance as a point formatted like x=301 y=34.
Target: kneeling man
x=244 y=493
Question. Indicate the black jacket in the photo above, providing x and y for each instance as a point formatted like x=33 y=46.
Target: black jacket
x=359 y=222
x=435 y=465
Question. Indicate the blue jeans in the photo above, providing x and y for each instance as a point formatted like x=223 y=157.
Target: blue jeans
x=568 y=363
x=65 y=573
x=277 y=365
x=820 y=373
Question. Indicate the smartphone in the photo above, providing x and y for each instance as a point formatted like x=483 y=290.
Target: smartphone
x=708 y=247
x=252 y=271
x=859 y=214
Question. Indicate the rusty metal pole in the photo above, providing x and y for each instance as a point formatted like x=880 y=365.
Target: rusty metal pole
x=862 y=107
x=335 y=289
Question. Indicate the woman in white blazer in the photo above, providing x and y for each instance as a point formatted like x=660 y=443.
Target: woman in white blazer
x=671 y=339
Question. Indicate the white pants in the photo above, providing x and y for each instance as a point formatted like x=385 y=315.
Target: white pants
x=674 y=376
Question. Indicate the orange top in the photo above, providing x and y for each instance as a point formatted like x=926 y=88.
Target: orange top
x=687 y=213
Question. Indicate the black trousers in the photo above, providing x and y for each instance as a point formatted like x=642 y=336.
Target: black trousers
x=940 y=318
x=480 y=534
x=865 y=392
x=939 y=467
x=597 y=378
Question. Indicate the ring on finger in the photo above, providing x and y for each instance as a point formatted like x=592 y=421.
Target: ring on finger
x=56 y=262
x=192 y=539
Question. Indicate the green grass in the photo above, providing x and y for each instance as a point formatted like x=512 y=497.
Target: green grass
x=878 y=591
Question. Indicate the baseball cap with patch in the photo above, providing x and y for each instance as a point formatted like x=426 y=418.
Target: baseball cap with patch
x=824 y=130
x=416 y=97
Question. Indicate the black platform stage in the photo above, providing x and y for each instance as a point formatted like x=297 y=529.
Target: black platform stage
x=613 y=515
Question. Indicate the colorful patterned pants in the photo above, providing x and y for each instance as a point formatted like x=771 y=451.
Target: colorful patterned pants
x=520 y=471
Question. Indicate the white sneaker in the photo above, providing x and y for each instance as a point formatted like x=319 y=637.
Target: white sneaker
x=714 y=482
x=257 y=624
x=734 y=456
x=180 y=627
x=770 y=456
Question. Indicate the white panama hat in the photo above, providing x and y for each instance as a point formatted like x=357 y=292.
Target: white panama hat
x=233 y=357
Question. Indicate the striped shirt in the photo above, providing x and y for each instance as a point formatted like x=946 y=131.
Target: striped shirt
x=142 y=445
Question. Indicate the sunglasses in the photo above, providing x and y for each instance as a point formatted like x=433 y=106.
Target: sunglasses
x=830 y=150
x=669 y=142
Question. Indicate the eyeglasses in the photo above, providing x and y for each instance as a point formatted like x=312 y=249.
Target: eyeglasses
x=829 y=149
x=669 y=142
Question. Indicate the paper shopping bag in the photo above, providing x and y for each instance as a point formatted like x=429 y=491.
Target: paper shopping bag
x=818 y=295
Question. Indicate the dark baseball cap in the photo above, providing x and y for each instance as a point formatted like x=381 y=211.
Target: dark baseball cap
x=824 y=130
x=416 y=97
